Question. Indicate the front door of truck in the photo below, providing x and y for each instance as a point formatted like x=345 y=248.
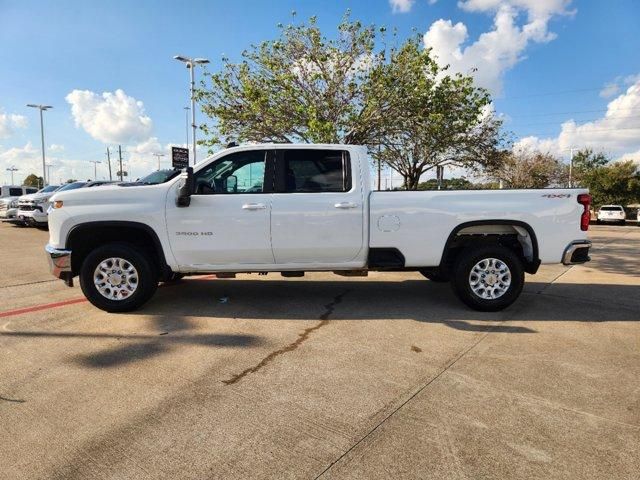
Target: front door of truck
x=227 y=222
x=317 y=208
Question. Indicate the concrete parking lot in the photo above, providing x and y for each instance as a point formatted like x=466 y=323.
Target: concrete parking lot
x=323 y=377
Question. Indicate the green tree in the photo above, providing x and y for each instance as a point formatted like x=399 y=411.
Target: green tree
x=306 y=87
x=615 y=183
x=438 y=119
x=33 y=180
x=299 y=87
x=447 y=184
x=528 y=169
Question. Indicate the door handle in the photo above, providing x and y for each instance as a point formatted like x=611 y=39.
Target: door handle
x=345 y=205
x=254 y=206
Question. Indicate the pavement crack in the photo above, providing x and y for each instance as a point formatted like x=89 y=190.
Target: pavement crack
x=450 y=364
x=302 y=337
x=14 y=400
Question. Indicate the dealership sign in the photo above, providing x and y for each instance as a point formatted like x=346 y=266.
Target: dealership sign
x=179 y=157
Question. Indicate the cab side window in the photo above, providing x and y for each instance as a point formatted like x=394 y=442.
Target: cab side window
x=240 y=172
x=316 y=171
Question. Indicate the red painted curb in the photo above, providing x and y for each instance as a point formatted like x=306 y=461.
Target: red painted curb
x=37 y=308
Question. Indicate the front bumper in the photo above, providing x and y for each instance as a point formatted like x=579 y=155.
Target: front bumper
x=60 y=264
x=576 y=252
x=32 y=217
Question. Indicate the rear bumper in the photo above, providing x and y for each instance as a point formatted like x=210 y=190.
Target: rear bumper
x=60 y=264
x=576 y=252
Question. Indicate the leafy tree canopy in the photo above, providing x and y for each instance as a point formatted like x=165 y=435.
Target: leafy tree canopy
x=303 y=86
x=33 y=180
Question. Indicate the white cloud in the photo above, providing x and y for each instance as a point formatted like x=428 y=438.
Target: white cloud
x=401 y=6
x=498 y=50
x=614 y=87
x=113 y=117
x=9 y=122
x=54 y=147
x=617 y=131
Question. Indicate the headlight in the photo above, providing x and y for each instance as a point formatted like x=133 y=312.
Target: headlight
x=14 y=204
x=57 y=204
x=40 y=201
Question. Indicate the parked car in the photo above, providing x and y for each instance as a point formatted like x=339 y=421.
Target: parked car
x=295 y=208
x=32 y=209
x=611 y=214
x=9 y=195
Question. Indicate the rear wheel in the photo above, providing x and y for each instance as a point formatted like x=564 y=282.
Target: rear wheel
x=488 y=278
x=118 y=278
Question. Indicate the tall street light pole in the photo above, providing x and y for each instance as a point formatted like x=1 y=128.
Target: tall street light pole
x=12 y=169
x=42 y=108
x=158 y=155
x=49 y=165
x=95 y=168
x=191 y=64
x=186 y=120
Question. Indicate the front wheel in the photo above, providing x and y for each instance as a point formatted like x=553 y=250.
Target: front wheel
x=488 y=278
x=117 y=278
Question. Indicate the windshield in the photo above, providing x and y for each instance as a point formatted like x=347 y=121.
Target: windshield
x=49 y=188
x=72 y=186
x=159 y=176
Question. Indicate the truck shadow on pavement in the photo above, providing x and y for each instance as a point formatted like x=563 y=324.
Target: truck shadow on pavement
x=418 y=300
x=179 y=314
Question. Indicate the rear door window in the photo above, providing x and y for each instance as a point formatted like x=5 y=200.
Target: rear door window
x=15 y=192
x=312 y=171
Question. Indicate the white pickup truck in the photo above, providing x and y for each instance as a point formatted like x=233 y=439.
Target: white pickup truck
x=295 y=208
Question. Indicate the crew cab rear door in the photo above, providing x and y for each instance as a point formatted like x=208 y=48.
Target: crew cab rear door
x=227 y=222
x=317 y=208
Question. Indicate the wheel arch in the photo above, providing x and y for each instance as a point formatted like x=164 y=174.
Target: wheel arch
x=483 y=229
x=84 y=237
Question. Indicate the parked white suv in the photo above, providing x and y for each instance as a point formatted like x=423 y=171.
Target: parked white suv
x=611 y=214
x=9 y=195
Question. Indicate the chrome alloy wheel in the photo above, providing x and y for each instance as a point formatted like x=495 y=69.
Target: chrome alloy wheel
x=115 y=278
x=490 y=278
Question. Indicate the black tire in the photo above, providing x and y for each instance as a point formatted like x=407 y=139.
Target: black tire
x=434 y=276
x=464 y=264
x=147 y=278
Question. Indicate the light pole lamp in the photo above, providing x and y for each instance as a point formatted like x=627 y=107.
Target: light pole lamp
x=158 y=155
x=42 y=108
x=12 y=169
x=190 y=64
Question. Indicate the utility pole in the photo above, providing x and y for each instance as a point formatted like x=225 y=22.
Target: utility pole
x=120 y=156
x=109 y=163
x=158 y=155
x=42 y=108
x=571 y=168
x=95 y=168
x=12 y=169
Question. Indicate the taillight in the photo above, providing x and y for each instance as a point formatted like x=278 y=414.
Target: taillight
x=584 y=199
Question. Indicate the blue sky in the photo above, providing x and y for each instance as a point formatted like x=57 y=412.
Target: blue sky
x=546 y=61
